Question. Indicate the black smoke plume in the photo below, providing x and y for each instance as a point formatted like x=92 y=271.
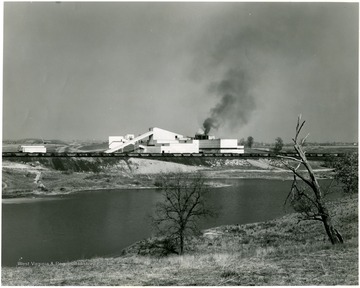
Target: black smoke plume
x=208 y=124
x=236 y=101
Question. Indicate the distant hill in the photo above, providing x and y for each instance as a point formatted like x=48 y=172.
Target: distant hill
x=35 y=141
x=95 y=146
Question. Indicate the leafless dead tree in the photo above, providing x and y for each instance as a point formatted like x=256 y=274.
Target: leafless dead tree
x=309 y=202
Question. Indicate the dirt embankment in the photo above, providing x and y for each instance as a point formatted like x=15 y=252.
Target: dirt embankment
x=48 y=176
x=29 y=176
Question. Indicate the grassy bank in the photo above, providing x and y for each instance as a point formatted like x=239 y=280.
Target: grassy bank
x=277 y=252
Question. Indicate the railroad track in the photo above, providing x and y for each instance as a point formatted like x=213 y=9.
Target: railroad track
x=160 y=155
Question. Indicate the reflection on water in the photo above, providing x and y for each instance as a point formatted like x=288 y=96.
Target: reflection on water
x=102 y=223
x=30 y=200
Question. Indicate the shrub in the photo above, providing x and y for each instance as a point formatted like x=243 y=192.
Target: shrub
x=158 y=247
x=346 y=172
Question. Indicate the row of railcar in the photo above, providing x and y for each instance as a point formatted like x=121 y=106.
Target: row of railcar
x=155 y=155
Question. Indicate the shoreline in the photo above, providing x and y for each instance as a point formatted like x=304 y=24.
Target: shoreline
x=34 y=179
x=212 y=182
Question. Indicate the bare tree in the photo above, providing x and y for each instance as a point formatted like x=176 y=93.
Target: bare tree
x=310 y=202
x=182 y=205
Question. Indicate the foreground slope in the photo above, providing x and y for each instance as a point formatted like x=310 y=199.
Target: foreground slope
x=277 y=252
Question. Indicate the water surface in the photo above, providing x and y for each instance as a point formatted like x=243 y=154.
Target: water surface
x=102 y=223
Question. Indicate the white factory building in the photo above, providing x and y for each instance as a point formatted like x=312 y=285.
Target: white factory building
x=158 y=140
x=32 y=148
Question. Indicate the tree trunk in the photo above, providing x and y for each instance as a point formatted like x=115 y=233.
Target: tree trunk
x=334 y=236
x=181 y=243
x=321 y=213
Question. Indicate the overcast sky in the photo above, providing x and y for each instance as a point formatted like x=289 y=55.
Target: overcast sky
x=91 y=70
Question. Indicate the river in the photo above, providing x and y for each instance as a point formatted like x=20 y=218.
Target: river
x=101 y=223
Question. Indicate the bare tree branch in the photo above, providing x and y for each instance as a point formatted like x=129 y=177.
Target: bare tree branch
x=290 y=158
x=304 y=139
x=298 y=174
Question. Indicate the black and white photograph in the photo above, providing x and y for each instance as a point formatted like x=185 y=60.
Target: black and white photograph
x=180 y=143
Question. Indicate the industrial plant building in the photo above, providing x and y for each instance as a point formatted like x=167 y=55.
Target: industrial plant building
x=32 y=149
x=158 y=140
